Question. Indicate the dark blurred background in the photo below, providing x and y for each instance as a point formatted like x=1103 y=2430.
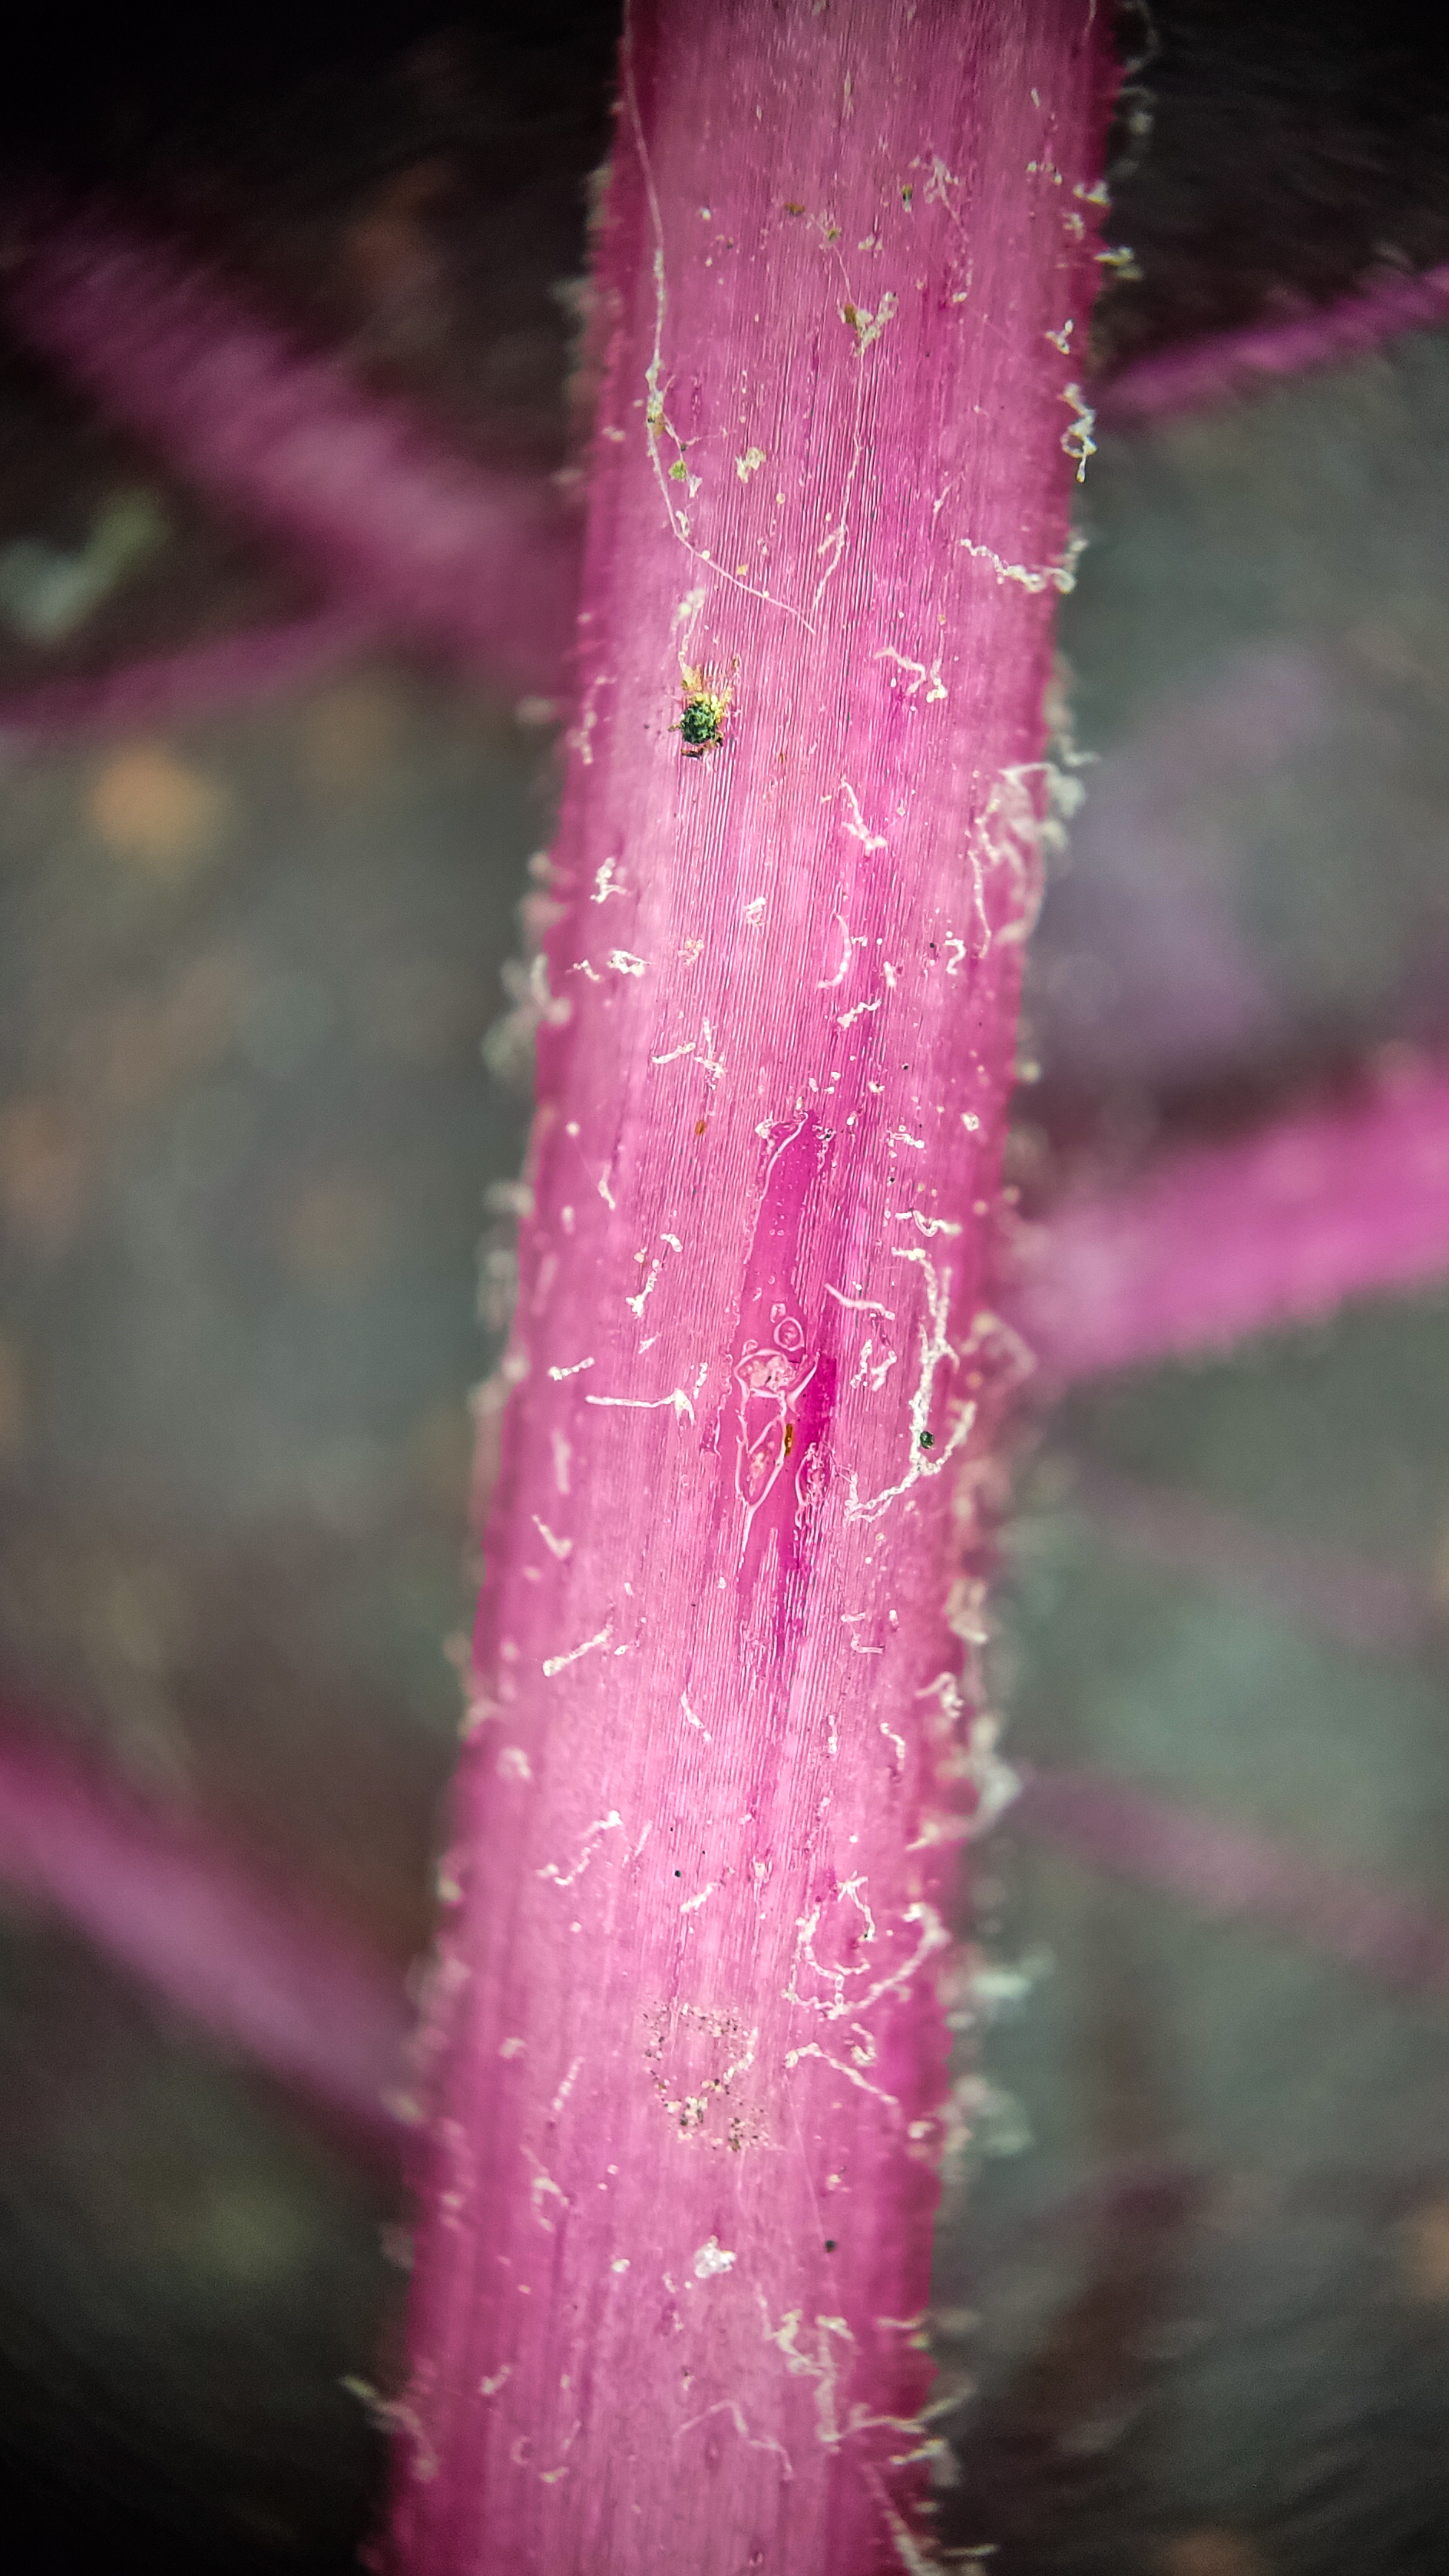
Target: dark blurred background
x=1193 y=2303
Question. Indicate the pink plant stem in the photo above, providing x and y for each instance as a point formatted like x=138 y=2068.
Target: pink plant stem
x=165 y=688
x=1232 y=1870
x=691 y=2084
x=258 y=1972
x=1276 y=1228
x=1236 y=362
x=482 y=563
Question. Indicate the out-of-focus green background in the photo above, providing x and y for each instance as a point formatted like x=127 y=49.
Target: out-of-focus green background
x=1193 y=2297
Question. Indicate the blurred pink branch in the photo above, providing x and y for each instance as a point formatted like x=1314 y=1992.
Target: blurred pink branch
x=1221 y=1241
x=1363 y=1606
x=193 y=681
x=1144 y=964
x=478 y=561
x=1213 y=370
x=259 y=1972
x=1231 y=1869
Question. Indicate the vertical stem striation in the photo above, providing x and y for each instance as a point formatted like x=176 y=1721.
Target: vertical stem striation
x=691 y=2078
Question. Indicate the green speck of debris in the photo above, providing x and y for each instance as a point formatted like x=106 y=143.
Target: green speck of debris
x=700 y=724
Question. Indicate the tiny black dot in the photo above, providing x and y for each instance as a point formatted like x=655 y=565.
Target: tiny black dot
x=829 y=2244
x=679 y=1873
x=928 y=1440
